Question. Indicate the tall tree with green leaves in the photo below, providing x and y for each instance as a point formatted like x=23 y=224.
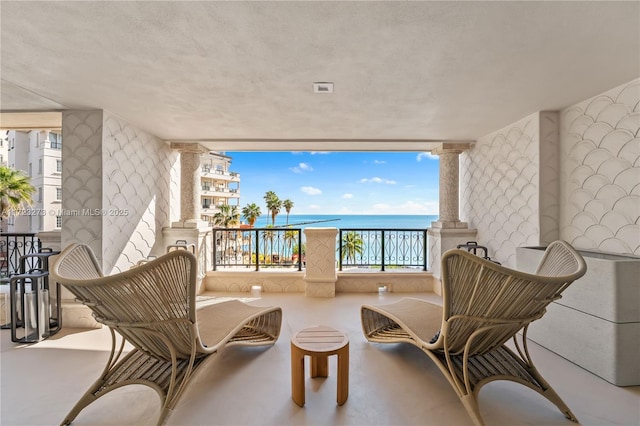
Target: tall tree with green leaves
x=288 y=205
x=267 y=238
x=274 y=204
x=290 y=238
x=227 y=217
x=352 y=245
x=15 y=192
x=251 y=212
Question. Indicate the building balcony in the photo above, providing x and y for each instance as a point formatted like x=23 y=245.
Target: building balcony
x=220 y=192
x=220 y=175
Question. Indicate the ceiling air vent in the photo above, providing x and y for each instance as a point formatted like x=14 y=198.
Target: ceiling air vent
x=322 y=87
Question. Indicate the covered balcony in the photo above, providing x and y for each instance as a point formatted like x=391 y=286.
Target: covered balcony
x=531 y=107
x=389 y=385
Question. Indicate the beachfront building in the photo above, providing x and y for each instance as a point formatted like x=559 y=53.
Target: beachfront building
x=38 y=153
x=220 y=186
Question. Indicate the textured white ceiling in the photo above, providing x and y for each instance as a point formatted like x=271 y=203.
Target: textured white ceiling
x=244 y=70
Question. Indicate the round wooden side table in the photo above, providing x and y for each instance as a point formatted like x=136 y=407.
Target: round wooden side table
x=319 y=343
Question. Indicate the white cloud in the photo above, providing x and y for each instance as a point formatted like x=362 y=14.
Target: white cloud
x=347 y=196
x=319 y=152
x=427 y=207
x=302 y=167
x=345 y=210
x=426 y=155
x=379 y=162
x=381 y=207
x=313 y=207
x=378 y=180
x=310 y=190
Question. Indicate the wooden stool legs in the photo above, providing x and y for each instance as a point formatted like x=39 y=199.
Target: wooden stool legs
x=297 y=375
x=343 y=375
x=319 y=368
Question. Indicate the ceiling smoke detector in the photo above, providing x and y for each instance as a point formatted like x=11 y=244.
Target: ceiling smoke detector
x=322 y=87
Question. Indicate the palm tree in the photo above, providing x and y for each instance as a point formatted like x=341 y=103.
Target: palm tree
x=290 y=237
x=227 y=217
x=288 y=205
x=15 y=192
x=298 y=253
x=267 y=237
x=274 y=204
x=251 y=212
x=352 y=245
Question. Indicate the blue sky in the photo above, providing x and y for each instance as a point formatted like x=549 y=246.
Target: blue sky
x=341 y=182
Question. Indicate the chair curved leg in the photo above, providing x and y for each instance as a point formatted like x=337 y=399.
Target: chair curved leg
x=86 y=399
x=548 y=392
x=168 y=378
x=471 y=405
x=164 y=415
x=552 y=396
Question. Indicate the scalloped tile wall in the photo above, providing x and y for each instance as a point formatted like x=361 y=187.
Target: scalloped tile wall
x=137 y=180
x=573 y=175
x=82 y=178
x=600 y=180
x=505 y=195
x=113 y=167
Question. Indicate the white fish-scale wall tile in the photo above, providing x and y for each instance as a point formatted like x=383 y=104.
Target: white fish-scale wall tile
x=137 y=170
x=82 y=178
x=504 y=196
x=600 y=179
x=549 y=169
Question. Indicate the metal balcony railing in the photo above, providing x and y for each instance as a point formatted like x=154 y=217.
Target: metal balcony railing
x=382 y=249
x=257 y=247
x=375 y=249
x=12 y=247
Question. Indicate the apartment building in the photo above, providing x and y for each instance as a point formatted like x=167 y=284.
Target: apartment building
x=219 y=185
x=4 y=151
x=39 y=154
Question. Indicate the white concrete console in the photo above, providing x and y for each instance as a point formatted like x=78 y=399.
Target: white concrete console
x=596 y=323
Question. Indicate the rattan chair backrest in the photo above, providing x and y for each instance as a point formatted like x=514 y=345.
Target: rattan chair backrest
x=146 y=304
x=485 y=304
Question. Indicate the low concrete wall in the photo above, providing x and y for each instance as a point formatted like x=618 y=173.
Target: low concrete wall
x=396 y=282
x=293 y=281
x=596 y=323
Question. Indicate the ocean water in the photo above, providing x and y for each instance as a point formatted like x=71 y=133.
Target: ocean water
x=350 y=221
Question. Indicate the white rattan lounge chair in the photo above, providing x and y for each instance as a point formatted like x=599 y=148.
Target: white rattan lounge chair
x=484 y=306
x=153 y=307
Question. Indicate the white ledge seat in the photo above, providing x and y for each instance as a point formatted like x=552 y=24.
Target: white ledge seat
x=153 y=307
x=484 y=306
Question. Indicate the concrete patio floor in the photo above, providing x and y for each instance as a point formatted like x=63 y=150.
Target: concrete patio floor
x=389 y=384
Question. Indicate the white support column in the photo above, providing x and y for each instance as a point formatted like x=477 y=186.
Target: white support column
x=191 y=228
x=448 y=231
x=449 y=209
x=189 y=184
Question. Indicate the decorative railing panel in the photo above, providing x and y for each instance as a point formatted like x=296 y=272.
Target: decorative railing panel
x=257 y=247
x=379 y=249
x=12 y=247
x=382 y=248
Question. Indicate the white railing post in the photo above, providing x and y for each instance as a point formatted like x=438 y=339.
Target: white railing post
x=321 y=273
